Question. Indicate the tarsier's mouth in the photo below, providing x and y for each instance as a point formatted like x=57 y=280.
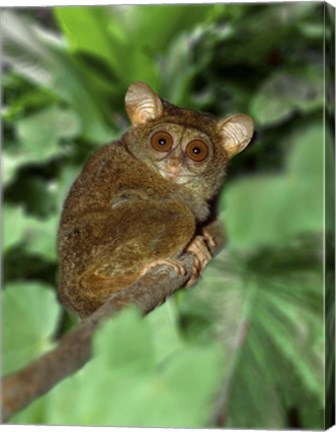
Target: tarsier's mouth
x=169 y=174
x=176 y=177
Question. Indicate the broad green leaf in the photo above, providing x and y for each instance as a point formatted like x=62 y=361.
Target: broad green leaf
x=41 y=132
x=24 y=51
x=40 y=237
x=37 y=236
x=10 y=164
x=95 y=39
x=163 y=322
x=141 y=31
x=178 y=66
x=109 y=34
x=305 y=158
x=306 y=169
x=154 y=29
x=35 y=414
x=104 y=34
x=192 y=387
x=23 y=97
x=271 y=209
x=131 y=341
x=176 y=392
x=299 y=349
x=30 y=315
x=43 y=60
x=247 y=45
x=218 y=297
x=158 y=25
x=254 y=402
x=14 y=221
x=255 y=206
x=267 y=309
x=38 y=138
x=283 y=93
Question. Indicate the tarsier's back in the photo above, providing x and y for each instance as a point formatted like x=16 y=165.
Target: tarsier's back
x=144 y=200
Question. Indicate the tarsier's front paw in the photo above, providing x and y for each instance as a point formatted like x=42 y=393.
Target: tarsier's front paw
x=209 y=237
x=164 y=261
x=199 y=248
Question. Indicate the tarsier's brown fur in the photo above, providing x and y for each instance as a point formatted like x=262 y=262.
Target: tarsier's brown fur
x=132 y=207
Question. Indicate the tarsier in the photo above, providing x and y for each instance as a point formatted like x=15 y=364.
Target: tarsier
x=144 y=200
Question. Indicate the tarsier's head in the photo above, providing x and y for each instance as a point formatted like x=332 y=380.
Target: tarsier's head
x=184 y=146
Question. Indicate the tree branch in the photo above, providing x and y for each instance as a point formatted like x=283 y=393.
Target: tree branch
x=74 y=349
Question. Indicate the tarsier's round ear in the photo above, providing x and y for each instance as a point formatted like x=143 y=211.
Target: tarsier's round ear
x=142 y=104
x=236 y=132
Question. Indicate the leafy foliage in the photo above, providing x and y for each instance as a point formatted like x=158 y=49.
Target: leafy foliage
x=292 y=201
x=246 y=345
x=35 y=305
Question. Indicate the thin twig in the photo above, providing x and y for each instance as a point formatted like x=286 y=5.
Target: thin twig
x=74 y=349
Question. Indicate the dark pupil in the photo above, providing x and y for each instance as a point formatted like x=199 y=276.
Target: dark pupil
x=196 y=150
x=162 y=141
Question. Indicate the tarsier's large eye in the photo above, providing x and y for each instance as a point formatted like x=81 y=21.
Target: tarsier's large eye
x=162 y=141
x=197 y=150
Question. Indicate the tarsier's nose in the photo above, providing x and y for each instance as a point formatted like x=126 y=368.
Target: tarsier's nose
x=172 y=167
x=174 y=161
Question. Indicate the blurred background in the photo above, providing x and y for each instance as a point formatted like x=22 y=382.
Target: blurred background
x=245 y=347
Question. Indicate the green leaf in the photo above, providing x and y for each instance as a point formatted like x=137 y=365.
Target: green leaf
x=27 y=97
x=34 y=414
x=177 y=65
x=254 y=402
x=246 y=46
x=271 y=209
x=43 y=60
x=132 y=342
x=266 y=309
x=40 y=133
x=163 y=322
x=142 y=32
x=14 y=226
x=306 y=170
x=39 y=137
x=283 y=93
x=95 y=21
x=255 y=207
x=158 y=25
x=174 y=392
x=30 y=315
x=37 y=236
x=303 y=349
x=10 y=166
x=109 y=33
x=40 y=237
x=305 y=159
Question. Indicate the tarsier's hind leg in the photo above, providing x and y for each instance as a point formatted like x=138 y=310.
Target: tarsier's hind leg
x=151 y=234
